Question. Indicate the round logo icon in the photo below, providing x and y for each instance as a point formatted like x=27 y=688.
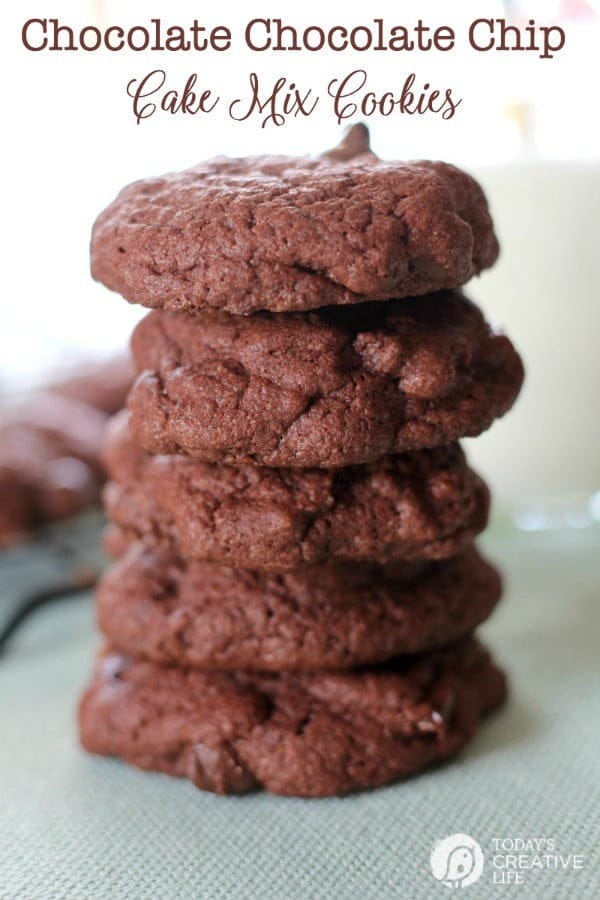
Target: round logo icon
x=456 y=860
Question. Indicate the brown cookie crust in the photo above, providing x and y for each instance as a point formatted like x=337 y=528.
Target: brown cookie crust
x=422 y=505
x=296 y=734
x=200 y=615
x=329 y=388
x=289 y=233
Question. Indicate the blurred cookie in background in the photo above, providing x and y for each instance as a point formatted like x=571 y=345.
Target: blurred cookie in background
x=50 y=442
x=103 y=384
x=49 y=463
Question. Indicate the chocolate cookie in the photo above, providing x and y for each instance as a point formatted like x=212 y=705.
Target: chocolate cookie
x=17 y=508
x=116 y=541
x=330 y=388
x=287 y=233
x=49 y=463
x=103 y=384
x=422 y=505
x=198 y=614
x=300 y=734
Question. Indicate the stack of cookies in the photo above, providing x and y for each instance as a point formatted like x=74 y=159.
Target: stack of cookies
x=296 y=589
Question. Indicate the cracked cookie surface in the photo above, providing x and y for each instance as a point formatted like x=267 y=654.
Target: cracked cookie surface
x=293 y=233
x=334 y=387
x=189 y=613
x=297 y=734
x=422 y=505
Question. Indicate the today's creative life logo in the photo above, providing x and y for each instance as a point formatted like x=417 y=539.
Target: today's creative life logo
x=457 y=860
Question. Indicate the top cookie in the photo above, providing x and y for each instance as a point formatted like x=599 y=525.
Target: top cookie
x=286 y=233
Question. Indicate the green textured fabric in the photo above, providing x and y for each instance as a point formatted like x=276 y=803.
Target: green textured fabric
x=72 y=826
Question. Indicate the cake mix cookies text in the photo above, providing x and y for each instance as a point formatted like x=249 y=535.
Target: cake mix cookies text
x=273 y=102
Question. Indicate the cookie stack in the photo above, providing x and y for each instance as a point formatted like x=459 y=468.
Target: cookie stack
x=296 y=587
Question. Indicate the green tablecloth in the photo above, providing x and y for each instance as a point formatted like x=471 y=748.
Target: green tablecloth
x=77 y=827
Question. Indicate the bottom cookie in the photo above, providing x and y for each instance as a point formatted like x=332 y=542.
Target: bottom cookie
x=302 y=734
